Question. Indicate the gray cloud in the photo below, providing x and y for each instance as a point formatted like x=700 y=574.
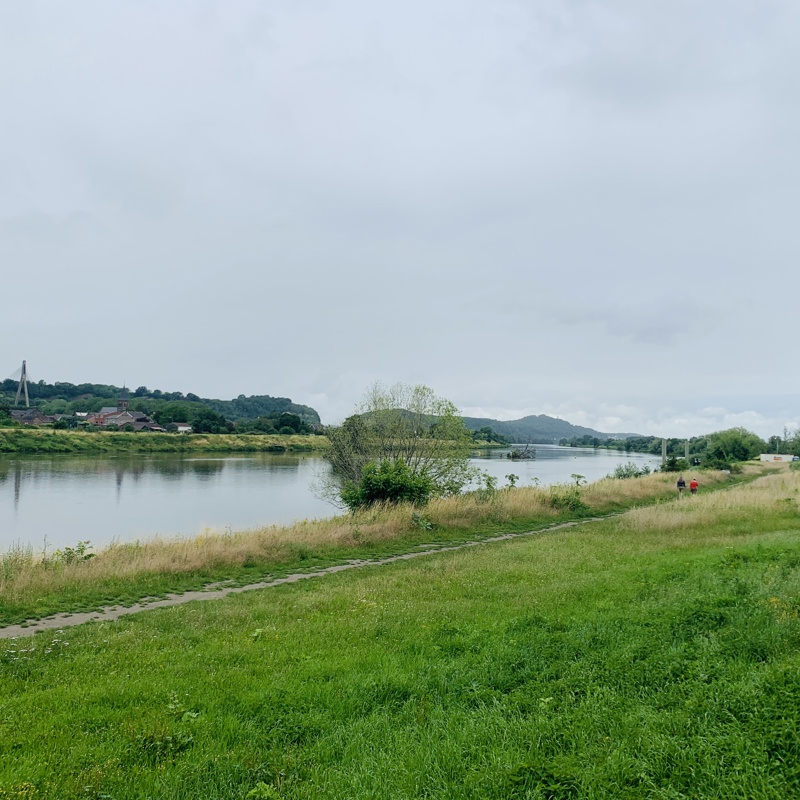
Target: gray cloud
x=564 y=205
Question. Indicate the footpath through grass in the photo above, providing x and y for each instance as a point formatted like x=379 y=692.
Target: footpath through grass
x=651 y=655
x=32 y=587
x=47 y=440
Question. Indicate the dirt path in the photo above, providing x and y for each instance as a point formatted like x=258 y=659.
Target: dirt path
x=107 y=614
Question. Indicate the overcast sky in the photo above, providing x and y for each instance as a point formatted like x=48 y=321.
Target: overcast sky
x=585 y=209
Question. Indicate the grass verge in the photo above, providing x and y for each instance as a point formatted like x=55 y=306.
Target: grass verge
x=45 y=440
x=652 y=655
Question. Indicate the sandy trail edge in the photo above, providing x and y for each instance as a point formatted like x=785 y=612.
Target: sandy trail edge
x=69 y=620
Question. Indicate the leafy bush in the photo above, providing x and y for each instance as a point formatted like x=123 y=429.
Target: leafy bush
x=387 y=482
x=71 y=555
x=674 y=464
x=487 y=487
x=423 y=523
x=629 y=470
x=566 y=497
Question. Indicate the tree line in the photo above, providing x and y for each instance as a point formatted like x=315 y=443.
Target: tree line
x=67 y=398
x=256 y=414
x=713 y=450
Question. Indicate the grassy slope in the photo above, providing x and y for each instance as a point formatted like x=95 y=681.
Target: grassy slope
x=125 y=573
x=46 y=440
x=654 y=655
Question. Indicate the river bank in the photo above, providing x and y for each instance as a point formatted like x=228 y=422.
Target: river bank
x=53 y=500
x=43 y=440
x=35 y=585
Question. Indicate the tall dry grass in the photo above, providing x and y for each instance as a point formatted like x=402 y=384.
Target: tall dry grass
x=609 y=491
x=748 y=503
x=24 y=573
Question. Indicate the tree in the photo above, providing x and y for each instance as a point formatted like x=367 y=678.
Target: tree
x=66 y=423
x=176 y=412
x=776 y=444
x=293 y=422
x=208 y=421
x=486 y=434
x=409 y=427
x=736 y=444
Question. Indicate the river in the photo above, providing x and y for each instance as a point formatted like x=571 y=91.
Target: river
x=56 y=501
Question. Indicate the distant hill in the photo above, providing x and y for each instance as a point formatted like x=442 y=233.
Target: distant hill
x=539 y=429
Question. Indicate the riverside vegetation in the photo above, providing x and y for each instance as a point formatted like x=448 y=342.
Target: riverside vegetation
x=35 y=585
x=46 y=440
x=653 y=654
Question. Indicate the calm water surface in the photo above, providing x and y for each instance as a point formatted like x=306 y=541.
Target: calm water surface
x=61 y=500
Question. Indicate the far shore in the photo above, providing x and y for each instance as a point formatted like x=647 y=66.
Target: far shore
x=48 y=441
x=33 y=441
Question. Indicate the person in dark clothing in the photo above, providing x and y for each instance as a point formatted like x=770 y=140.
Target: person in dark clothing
x=681 y=485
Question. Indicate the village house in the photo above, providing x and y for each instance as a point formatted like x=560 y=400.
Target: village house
x=179 y=427
x=31 y=416
x=120 y=416
x=136 y=419
x=108 y=417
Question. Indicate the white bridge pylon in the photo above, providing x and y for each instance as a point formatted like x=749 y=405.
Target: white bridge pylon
x=23 y=386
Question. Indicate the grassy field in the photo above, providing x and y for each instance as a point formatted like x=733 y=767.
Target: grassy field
x=47 y=440
x=33 y=587
x=651 y=655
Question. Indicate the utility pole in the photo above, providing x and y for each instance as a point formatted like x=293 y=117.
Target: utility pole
x=23 y=384
x=663 y=452
x=686 y=450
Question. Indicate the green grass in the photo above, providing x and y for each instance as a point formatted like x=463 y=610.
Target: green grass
x=45 y=440
x=653 y=655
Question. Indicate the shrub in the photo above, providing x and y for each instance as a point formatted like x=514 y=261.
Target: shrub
x=566 y=497
x=674 y=464
x=629 y=470
x=387 y=482
x=408 y=423
x=487 y=487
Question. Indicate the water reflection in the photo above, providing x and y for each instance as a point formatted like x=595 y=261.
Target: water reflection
x=30 y=469
x=554 y=464
x=67 y=498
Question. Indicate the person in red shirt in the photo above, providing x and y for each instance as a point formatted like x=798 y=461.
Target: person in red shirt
x=693 y=485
